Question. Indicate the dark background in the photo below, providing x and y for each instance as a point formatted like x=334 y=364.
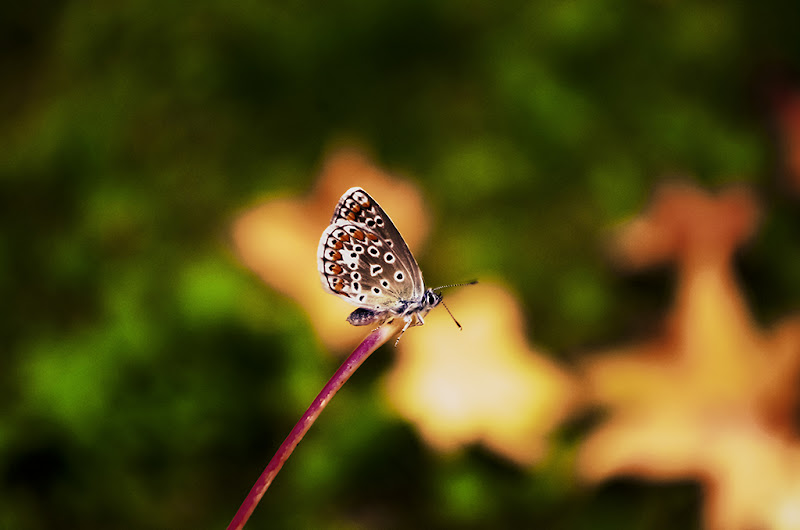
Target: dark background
x=146 y=376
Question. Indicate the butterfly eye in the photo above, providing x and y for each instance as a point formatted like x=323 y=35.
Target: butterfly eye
x=385 y=284
x=378 y=221
x=376 y=290
x=355 y=276
x=388 y=257
x=355 y=286
x=399 y=276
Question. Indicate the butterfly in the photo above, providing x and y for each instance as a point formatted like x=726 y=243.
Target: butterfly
x=363 y=258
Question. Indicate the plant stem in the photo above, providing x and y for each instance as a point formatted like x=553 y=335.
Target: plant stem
x=371 y=343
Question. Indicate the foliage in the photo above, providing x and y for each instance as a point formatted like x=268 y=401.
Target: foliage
x=147 y=376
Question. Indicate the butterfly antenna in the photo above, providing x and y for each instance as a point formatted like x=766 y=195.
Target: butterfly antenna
x=473 y=282
x=451 y=314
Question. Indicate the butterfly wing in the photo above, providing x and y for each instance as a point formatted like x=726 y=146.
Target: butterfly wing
x=356 y=206
x=357 y=264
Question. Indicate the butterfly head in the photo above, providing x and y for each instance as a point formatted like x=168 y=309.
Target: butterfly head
x=431 y=299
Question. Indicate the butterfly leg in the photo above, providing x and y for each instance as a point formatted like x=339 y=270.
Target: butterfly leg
x=409 y=322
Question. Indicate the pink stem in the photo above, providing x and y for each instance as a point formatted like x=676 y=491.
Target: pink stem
x=364 y=350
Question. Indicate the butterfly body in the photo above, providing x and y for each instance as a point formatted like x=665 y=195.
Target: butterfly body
x=364 y=259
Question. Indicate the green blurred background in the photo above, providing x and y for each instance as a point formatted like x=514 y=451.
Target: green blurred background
x=147 y=377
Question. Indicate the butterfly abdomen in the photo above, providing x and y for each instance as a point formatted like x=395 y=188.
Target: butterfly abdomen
x=365 y=317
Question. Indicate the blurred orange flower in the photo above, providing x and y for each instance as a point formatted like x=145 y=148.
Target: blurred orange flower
x=278 y=239
x=713 y=397
x=484 y=384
